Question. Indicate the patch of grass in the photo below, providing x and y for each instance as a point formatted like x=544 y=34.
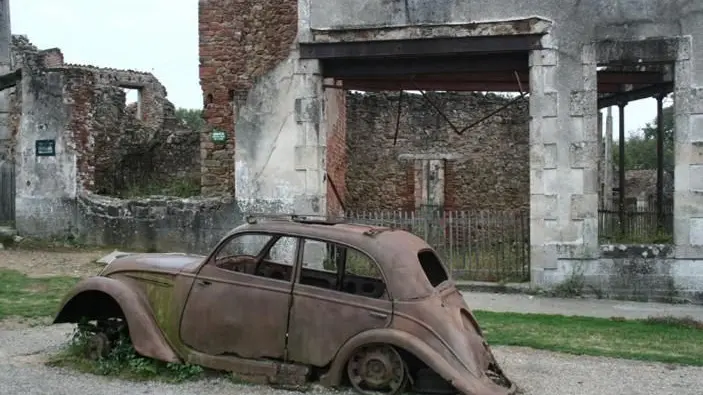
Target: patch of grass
x=31 y=297
x=122 y=361
x=667 y=340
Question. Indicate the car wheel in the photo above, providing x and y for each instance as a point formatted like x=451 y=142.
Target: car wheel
x=377 y=369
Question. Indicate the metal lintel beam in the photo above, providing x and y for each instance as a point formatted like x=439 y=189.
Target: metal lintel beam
x=637 y=94
x=10 y=79
x=421 y=47
x=624 y=77
x=456 y=84
x=394 y=68
x=430 y=85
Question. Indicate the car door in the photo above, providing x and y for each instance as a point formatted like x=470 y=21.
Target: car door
x=239 y=301
x=339 y=293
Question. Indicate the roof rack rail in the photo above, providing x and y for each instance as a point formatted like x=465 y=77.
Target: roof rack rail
x=299 y=218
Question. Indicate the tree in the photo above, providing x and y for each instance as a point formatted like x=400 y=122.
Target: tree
x=190 y=118
x=641 y=149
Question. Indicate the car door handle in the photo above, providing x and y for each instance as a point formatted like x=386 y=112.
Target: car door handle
x=378 y=315
x=204 y=283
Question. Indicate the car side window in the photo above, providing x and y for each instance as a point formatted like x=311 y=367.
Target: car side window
x=242 y=246
x=341 y=268
x=358 y=264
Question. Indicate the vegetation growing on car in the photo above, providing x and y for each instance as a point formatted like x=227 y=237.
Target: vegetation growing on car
x=121 y=360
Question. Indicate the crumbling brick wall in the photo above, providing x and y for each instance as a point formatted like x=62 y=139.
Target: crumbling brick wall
x=235 y=49
x=336 y=160
x=490 y=164
x=118 y=146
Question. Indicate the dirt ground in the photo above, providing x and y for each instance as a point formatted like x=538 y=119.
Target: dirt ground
x=57 y=262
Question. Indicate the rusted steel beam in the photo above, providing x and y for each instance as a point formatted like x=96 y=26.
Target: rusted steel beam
x=376 y=85
x=631 y=77
x=409 y=67
x=425 y=47
x=635 y=94
x=10 y=79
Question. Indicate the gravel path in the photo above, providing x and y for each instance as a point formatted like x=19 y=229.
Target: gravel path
x=24 y=351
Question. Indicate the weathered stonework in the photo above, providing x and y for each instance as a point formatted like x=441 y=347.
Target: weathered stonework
x=238 y=44
x=156 y=224
x=486 y=167
x=117 y=146
x=337 y=153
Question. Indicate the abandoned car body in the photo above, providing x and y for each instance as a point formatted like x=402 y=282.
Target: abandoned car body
x=337 y=303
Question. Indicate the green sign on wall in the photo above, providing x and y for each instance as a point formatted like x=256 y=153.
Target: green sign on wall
x=218 y=136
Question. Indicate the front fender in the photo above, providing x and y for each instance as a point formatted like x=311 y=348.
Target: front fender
x=143 y=329
x=464 y=381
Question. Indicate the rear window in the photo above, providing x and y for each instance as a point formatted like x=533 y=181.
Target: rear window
x=432 y=266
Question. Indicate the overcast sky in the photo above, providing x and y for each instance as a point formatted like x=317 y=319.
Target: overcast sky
x=158 y=36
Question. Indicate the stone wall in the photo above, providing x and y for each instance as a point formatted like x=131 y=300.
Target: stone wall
x=128 y=147
x=238 y=44
x=486 y=167
x=156 y=224
x=337 y=153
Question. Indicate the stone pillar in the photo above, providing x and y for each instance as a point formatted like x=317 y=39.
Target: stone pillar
x=5 y=67
x=563 y=160
x=281 y=142
x=688 y=137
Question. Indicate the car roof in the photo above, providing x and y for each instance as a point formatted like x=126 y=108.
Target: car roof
x=395 y=250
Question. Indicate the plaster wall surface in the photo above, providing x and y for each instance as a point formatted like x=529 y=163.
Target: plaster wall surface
x=280 y=150
x=46 y=186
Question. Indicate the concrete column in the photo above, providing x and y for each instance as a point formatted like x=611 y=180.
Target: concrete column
x=5 y=67
x=281 y=142
x=688 y=137
x=563 y=161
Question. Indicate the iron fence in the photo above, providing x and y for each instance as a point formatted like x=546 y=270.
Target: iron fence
x=639 y=225
x=487 y=246
x=7 y=192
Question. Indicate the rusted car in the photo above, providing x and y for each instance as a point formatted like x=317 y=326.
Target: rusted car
x=302 y=298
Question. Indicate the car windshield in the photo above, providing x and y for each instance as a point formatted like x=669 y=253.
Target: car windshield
x=432 y=266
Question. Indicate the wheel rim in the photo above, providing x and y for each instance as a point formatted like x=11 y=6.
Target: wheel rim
x=377 y=369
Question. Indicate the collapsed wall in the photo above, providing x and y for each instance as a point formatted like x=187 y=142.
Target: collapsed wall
x=130 y=145
x=75 y=137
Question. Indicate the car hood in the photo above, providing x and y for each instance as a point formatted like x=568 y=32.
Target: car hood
x=170 y=263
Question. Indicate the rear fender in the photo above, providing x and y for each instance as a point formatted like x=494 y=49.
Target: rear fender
x=94 y=297
x=463 y=381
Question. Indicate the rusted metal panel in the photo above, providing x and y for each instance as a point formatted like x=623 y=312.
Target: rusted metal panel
x=251 y=310
x=421 y=47
x=395 y=68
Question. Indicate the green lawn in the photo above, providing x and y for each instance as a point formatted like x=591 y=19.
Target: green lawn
x=27 y=297
x=648 y=340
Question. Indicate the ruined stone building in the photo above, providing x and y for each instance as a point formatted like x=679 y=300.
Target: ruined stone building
x=71 y=133
x=484 y=168
x=274 y=78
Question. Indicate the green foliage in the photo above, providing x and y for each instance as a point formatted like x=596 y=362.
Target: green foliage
x=641 y=150
x=123 y=361
x=190 y=118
